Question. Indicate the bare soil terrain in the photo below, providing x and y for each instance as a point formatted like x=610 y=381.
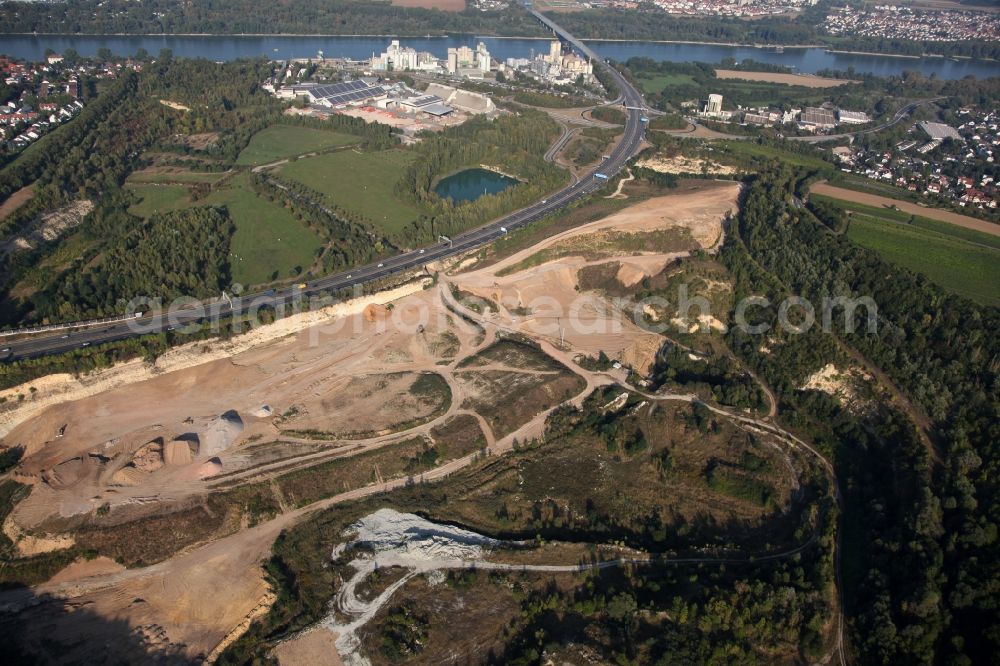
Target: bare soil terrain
x=16 y=200
x=188 y=469
x=805 y=80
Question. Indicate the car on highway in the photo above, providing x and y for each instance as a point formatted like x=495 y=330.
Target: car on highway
x=65 y=336
x=421 y=251
x=380 y=265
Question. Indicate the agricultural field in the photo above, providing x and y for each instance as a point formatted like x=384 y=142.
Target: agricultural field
x=360 y=182
x=958 y=265
x=656 y=83
x=904 y=208
x=269 y=243
x=281 y=141
x=858 y=183
x=963 y=261
x=153 y=199
x=761 y=93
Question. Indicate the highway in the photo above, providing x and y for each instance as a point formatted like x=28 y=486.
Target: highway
x=283 y=298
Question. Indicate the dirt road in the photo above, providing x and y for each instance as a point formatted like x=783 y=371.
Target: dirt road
x=877 y=201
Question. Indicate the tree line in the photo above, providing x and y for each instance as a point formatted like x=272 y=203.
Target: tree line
x=326 y=17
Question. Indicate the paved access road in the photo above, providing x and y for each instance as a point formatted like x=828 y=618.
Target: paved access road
x=617 y=159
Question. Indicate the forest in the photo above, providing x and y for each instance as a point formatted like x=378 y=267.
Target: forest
x=921 y=573
x=183 y=253
x=327 y=17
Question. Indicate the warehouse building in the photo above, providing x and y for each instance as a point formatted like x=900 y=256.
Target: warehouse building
x=853 y=117
x=818 y=117
x=938 y=131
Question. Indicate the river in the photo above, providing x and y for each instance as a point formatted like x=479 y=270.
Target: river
x=805 y=60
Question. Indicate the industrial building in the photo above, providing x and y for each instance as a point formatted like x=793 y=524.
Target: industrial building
x=757 y=119
x=464 y=61
x=853 y=117
x=818 y=117
x=403 y=58
x=714 y=106
x=463 y=100
x=554 y=66
x=938 y=131
x=341 y=94
x=429 y=104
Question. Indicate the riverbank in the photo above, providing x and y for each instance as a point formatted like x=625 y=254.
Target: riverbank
x=306 y=35
x=800 y=58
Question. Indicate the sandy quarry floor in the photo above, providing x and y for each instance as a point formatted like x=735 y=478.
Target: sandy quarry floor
x=545 y=301
x=681 y=164
x=207 y=403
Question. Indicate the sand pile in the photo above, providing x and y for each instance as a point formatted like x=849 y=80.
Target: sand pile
x=376 y=312
x=632 y=272
x=67 y=472
x=220 y=433
x=392 y=535
x=262 y=412
x=128 y=476
x=209 y=468
x=180 y=452
x=149 y=457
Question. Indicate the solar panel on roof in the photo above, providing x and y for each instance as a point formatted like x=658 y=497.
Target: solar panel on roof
x=360 y=90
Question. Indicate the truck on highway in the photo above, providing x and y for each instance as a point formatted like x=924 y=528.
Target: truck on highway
x=601 y=176
x=643 y=119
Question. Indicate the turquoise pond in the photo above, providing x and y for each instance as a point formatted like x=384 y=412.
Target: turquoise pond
x=470 y=184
